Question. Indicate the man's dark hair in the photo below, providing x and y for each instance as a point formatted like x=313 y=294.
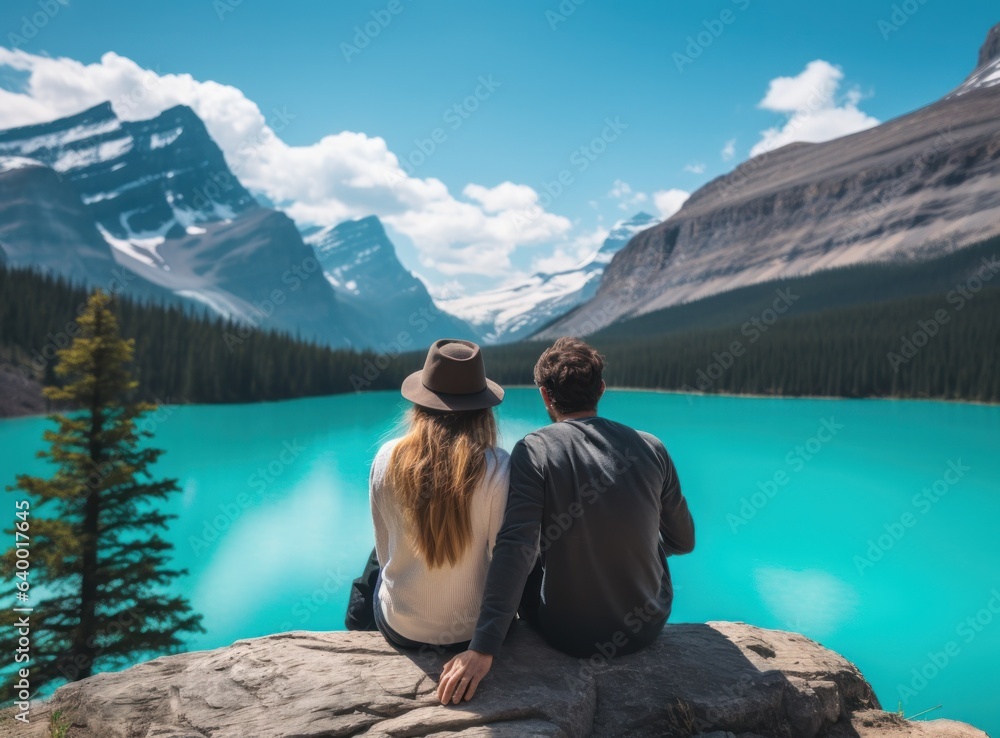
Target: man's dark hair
x=570 y=371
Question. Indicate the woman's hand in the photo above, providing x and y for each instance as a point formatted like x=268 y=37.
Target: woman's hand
x=462 y=675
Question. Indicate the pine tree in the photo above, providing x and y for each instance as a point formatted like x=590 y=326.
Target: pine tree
x=100 y=570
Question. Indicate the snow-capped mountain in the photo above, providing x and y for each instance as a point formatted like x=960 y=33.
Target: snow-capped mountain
x=516 y=312
x=151 y=207
x=360 y=262
x=168 y=214
x=143 y=181
x=987 y=71
x=911 y=189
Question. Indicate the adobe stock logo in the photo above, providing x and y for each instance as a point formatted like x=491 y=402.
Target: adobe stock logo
x=581 y=159
x=453 y=118
x=957 y=299
x=924 y=501
x=901 y=14
x=366 y=33
x=32 y=24
x=713 y=28
x=966 y=632
x=753 y=329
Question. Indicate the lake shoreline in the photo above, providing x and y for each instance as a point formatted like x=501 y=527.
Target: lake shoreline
x=658 y=391
x=751 y=396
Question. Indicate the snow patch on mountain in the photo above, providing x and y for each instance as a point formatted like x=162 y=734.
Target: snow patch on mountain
x=62 y=139
x=79 y=158
x=516 y=311
x=986 y=76
x=359 y=261
x=125 y=188
x=159 y=140
x=10 y=163
x=141 y=247
x=510 y=313
x=987 y=71
x=216 y=302
x=159 y=176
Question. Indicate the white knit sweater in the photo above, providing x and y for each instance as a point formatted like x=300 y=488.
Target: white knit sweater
x=440 y=605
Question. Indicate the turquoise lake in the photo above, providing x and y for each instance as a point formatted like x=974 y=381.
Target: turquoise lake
x=870 y=526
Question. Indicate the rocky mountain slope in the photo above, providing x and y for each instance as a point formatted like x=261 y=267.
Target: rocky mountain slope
x=151 y=207
x=515 y=312
x=44 y=222
x=142 y=178
x=713 y=680
x=360 y=262
x=990 y=51
x=919 y=186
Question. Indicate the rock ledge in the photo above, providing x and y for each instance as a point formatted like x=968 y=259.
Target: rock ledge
x=714 y=680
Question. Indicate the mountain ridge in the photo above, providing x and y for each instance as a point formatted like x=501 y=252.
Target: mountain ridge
x=167 y=212
x=922 y=184
x=990 y=50
x=515 y=312
x=359 y=260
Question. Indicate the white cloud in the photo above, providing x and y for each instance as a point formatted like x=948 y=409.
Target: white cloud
x=627 y=198
x=572 y=254
x=560 y=260
x=446 y=290
x=814 y=108
x=669 y=202
x=729 y=150
x=619 y=190
x=696 y=168
x=818 y=81
x=505 y=196
x=343 y=175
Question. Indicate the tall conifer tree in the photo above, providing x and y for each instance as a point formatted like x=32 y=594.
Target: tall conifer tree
x=100 y=570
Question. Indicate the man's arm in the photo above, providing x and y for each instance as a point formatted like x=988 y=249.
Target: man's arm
x=513 y=560
x=514 y=553
x=676 y=524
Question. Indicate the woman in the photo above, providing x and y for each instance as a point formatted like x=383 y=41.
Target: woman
x=437 y=497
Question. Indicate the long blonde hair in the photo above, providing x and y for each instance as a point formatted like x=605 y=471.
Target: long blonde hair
x=433 y=472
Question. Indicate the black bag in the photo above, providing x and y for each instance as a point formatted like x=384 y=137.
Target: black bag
x=361 y=605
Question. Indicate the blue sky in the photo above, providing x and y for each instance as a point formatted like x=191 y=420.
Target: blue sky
x=555 y=74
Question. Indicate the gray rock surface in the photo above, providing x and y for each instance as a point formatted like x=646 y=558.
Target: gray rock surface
x=990 y=50
x=360 y=261
x=712 y=680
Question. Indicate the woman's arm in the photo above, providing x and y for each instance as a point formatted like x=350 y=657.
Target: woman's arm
x=376 y=498
x=498 y=484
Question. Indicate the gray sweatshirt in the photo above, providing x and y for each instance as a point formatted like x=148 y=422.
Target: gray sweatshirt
x=601 y=504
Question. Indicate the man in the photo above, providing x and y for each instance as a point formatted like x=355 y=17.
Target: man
x=594 y=509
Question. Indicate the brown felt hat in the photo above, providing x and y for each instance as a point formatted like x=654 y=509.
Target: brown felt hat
x=453 y=379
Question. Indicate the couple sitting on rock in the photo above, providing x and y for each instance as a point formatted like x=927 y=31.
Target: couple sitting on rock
x=570 y=531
